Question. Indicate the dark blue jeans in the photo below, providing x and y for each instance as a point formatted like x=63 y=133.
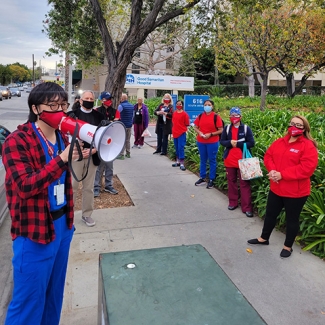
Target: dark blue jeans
x=162 y=139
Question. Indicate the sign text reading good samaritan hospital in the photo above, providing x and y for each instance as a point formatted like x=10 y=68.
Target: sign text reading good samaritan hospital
x=159 y=82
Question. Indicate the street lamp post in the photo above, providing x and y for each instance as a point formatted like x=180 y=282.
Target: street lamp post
x=33 y=70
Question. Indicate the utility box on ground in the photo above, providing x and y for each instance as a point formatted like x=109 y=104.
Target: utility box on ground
x=180 y=285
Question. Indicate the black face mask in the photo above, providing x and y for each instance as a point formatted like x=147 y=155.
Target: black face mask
x=87 y=104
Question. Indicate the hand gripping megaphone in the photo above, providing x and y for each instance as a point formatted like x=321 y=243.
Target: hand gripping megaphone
x=109 y=140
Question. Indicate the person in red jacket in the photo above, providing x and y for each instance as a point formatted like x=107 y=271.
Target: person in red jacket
x=180 y=121
x=290 y=161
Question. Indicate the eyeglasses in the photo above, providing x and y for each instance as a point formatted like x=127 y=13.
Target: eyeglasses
x=297 y=125
x=55 y=107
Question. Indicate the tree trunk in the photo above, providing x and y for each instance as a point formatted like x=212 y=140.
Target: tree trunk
x=115 y=82
x=250 y=78
x=290 y=84
x=263 y=92
x=119 y=54
x=300 y=86
x=251 y=85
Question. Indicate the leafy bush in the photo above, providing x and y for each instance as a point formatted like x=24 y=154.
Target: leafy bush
x=152 y=104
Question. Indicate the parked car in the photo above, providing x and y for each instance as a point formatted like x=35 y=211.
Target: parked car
x=3 y=204
x=15 y=92
x=6 y=93
x=29 y=89
x=21 y=88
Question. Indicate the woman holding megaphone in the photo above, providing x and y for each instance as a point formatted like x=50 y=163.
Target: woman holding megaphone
x=40 y=200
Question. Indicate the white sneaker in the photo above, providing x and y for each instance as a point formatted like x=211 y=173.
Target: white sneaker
x=139 y=146
x=89 y=221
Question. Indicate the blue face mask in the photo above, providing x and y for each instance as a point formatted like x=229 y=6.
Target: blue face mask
x=207 y=109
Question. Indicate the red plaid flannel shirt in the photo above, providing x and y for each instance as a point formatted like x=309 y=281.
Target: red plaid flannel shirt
x=27 y=179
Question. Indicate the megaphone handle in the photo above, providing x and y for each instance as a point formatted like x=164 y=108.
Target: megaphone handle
x=79 y=151
x=74 y=140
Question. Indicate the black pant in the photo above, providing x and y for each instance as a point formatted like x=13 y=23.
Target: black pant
x=162 y=139
x=292 y=207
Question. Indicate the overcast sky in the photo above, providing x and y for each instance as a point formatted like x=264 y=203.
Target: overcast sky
x=21 y=33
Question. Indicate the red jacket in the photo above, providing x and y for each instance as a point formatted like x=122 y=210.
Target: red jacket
x=296 y=161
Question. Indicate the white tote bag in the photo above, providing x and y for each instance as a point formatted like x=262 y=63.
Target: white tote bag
x=249 y=166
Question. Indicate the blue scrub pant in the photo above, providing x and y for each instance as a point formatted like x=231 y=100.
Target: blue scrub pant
x=208 y=151
x=39 y=275
x=179 y=144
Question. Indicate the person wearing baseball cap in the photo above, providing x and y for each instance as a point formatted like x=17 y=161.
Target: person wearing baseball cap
x=233 y=138
x=111 y=114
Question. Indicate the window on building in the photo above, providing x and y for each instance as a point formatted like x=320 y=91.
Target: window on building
x=170 y=63
x=170 y=48
x=137 y=53
x=135 y=68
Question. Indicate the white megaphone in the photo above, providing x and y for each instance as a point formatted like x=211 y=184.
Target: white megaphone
x=109 y=140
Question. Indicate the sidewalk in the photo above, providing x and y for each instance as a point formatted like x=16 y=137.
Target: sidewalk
x=169 y=211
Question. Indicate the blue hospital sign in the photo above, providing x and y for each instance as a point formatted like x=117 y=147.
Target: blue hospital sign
x=194 y=105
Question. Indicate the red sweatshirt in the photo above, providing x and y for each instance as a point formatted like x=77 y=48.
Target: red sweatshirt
x=296 y=161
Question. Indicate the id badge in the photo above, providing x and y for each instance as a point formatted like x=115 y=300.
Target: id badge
x=59 y=193
x=137 y=113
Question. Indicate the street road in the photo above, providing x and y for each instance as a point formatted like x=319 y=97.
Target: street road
x=14 y=111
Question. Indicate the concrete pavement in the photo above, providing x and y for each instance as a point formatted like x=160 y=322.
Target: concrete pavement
x=169 y=211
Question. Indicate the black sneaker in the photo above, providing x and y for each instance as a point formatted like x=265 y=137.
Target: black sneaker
x=210 y=184
x=201 y=181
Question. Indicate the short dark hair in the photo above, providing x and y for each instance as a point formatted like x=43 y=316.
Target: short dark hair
x=209 y=100
x=44 y=93
x=180 y=101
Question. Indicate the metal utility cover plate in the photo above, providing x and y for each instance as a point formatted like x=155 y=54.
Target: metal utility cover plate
x=180 y=285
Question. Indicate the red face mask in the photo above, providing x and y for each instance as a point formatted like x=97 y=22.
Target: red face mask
x=166 y=101
x=295 y=132
x=53 y=119
x=179 y=107
x=108 y=102
x=234 y=120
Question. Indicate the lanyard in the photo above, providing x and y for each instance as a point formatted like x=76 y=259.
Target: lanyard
x=49 y=147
